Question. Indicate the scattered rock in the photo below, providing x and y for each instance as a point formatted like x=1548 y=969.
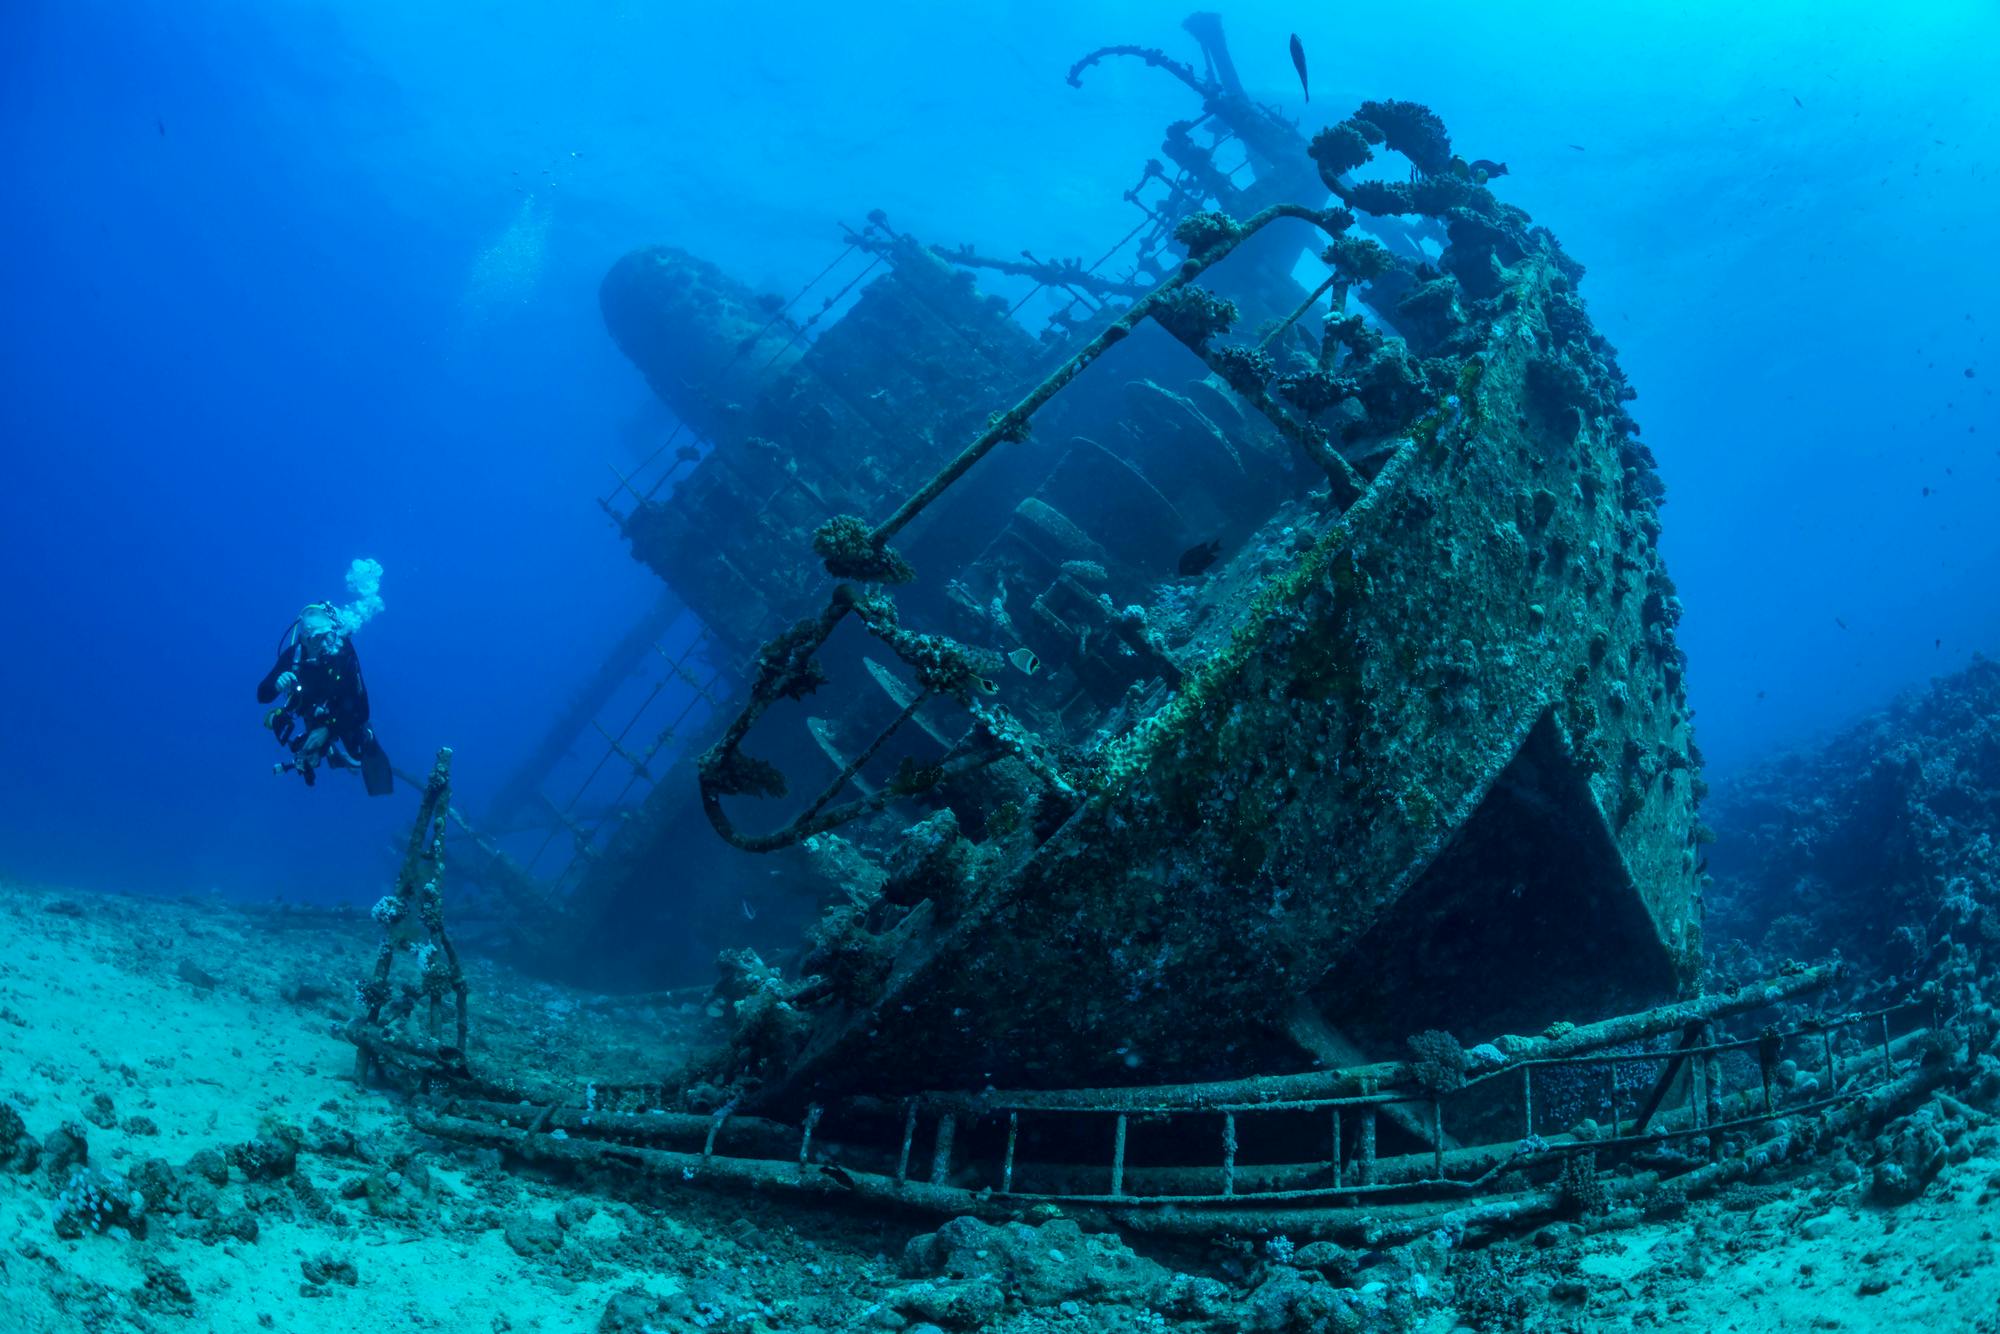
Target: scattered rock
x=1908 y=1157
x=530 y=1236
x=164 y=1290
x=327 y=1268
x=64 y=1149
x=210 y=1166
x=18 y=1150
x=265 y=1158
x=1040 y=1266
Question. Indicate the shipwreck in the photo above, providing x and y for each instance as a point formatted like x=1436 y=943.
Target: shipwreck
x=1249 y=696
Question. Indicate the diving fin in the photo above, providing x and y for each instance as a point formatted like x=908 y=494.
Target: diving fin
x=376 y=775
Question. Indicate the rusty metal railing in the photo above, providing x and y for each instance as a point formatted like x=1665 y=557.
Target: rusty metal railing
x=785 y=663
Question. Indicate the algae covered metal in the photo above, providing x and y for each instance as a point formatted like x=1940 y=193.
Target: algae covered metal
x=1404 y=746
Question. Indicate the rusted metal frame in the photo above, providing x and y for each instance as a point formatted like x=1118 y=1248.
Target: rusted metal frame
x=1346 y=481
x=1011 y=423
x=1376 y=1223
x=423 y=1059
x=416 y=891
x=994 y=728
x=1004 y=731
x=1229 y=1153
x=947 y=1129
x=701 y=637
x=1711 y=1102
x=1363 y=1082
x=1046 y=273
x=1367 y=1185
x=734 y=357
x=624 y=484
x=867 y=753
x=1691 y=1037
x=887 y=251
x=1495 y=1154
x=616 y=746
x=604 y=503
x=1153 y=56
x=785 y=309
x=806 y=1136
x=834 y=817
x=799 y=331
x=1300 y=313
x=743 y=1134
x=909 y=1134
x=1336 y=1147
x=701 y=693
x=715 y=1124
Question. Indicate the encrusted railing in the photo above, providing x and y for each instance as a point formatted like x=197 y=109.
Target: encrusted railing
x=854 y=550
x=908 y=1153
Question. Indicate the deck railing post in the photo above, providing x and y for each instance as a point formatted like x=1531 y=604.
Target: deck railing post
x=806 y=1139
x=1336 y=1147
x=1118 y=1158
x=1712 y=1096
x=1365 y=1158
x=941 y=1154
x=909 y=1134
x=1229 y=1153
x=1007 y=1168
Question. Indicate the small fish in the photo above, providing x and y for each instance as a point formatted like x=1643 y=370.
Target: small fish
x=1842 y=624
x=160 y=125
x=749 y=913
x=1795 y=102
x=1198 y=558
x=1299 y=64
x=1490 y=167
x=1578 y=147
x=1025 y=659
x=838 y=1174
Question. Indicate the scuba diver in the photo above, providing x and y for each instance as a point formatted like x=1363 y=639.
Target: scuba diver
x=322 y=716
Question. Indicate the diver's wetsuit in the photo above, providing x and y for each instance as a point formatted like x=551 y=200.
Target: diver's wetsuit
x=327 y=703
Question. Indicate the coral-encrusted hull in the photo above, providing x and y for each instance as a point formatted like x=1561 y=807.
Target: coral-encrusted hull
x=1453 y=731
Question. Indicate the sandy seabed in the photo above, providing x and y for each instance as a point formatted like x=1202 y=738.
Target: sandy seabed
x=174 y=1038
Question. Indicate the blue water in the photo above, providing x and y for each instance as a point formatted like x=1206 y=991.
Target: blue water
x=288 y=284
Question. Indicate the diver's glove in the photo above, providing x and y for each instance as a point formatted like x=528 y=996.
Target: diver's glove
x=287 y=682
